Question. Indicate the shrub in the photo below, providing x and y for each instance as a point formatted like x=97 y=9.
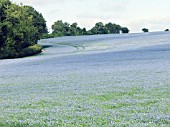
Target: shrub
x=31 y=50
x=145 y=30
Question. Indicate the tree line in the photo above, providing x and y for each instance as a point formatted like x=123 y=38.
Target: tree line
x=20 y=29
x=60 y=28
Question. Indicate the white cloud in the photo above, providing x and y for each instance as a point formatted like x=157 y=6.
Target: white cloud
x=134 y=14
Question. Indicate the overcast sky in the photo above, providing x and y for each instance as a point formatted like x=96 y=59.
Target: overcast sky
x=134 y=14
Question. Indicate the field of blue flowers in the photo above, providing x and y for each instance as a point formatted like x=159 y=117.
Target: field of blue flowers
x=100 y=81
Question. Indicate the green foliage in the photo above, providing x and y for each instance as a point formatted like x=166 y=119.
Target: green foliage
x=20 y=27
x=96 y=28
x=3 y=31
x=38 y=20
x=61 y=28
x=113 y=28
x=167 y=30
x=65 y=29
x=145 y=30
x=28 y=51
x=125 y=30
x=99 y=28
x=20 y=31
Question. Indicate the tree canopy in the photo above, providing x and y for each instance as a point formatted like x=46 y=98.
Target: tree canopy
x=124 y=30
x=37 y=20
x=20 y=27
x=167 y=30
x=61 y=28
x=145 y=30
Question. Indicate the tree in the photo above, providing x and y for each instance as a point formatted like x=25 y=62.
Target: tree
x=21 y=32
x=65 y=29
x=113 y=28
x=37 y=20
x=145 y=30
x=125 y=30
x=18 y=29
x=74 y=29
x=99 y=28
x=84 y=31
x=167 y=30
x=61 y=29
x=3 y=31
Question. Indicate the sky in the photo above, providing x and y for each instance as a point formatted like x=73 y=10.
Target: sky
x=134 y=14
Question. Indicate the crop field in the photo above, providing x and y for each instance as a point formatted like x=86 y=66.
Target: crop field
x=89 y=81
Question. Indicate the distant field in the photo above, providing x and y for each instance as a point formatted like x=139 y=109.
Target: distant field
x=100 y=81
